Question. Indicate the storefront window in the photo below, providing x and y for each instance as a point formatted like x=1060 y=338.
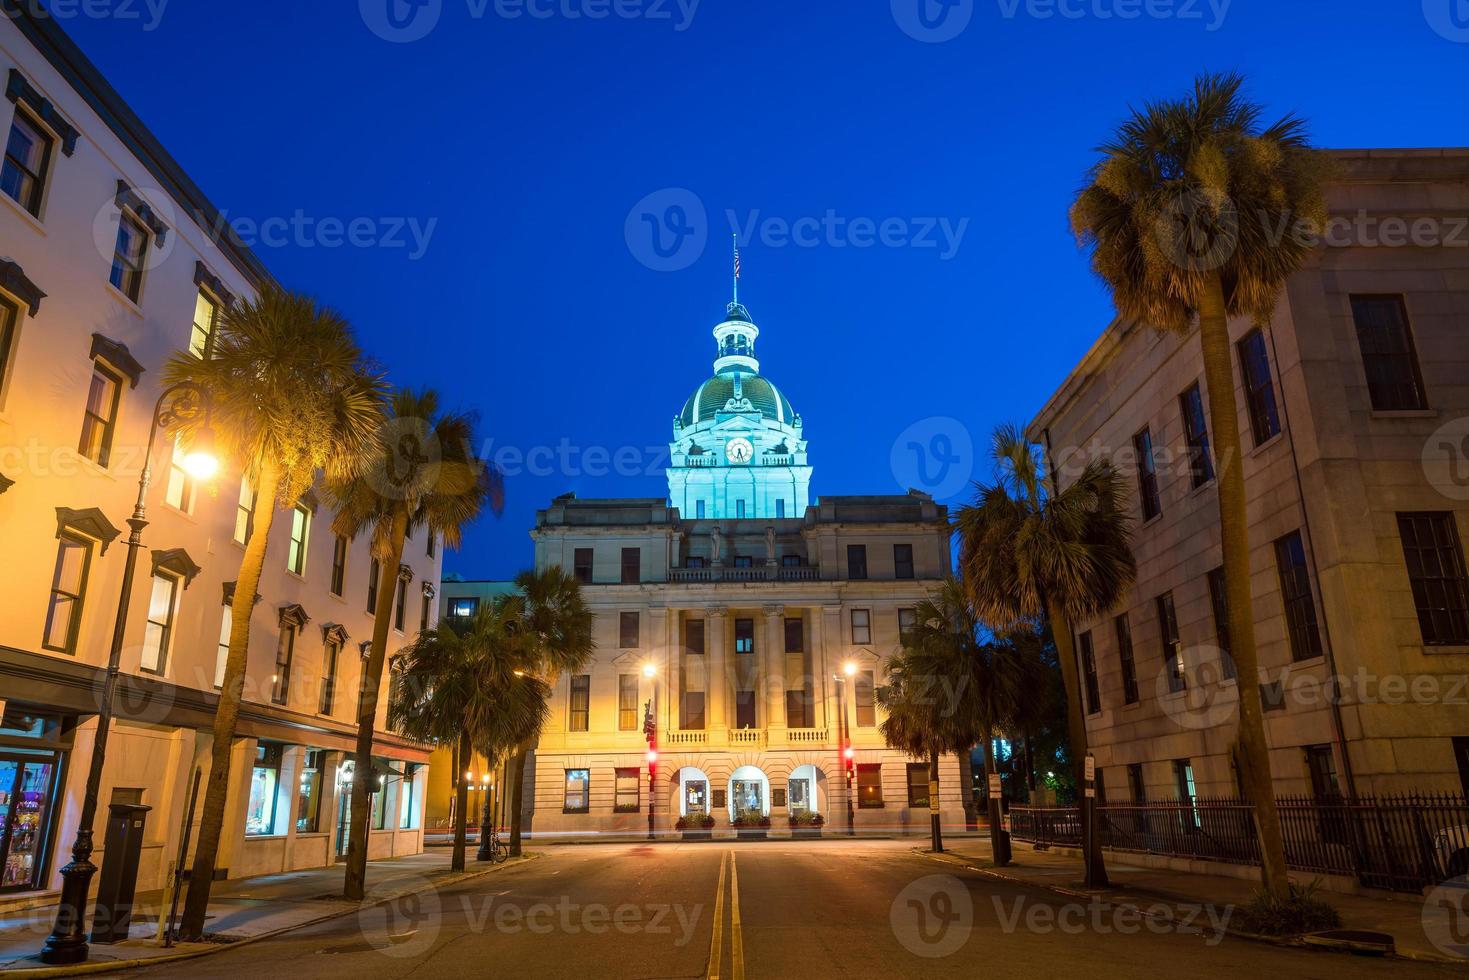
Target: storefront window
x=405 y=799
x=380 y=799
x=308 y=796
x=264 y=782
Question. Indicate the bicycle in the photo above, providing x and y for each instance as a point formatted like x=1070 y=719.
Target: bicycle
x=499 y=851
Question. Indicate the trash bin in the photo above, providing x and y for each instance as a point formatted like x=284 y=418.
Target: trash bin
x=122 y=847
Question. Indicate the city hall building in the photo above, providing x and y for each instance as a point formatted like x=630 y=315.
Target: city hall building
x=110 y=262
x=752 y=620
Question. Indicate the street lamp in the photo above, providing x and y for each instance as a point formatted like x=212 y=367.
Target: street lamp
x=650 y=729
x=183 y=403
x=844 y=735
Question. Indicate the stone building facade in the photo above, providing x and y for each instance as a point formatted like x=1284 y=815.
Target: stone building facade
x=110 y=261
x=743 y=621
x=1353 y=406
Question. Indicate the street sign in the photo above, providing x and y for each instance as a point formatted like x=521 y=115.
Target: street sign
x=997 y=788
x=933 y=796
x=1091 y=792
x=1091 y=768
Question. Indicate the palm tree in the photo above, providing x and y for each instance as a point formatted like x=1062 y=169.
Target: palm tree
x=1185 y=216
x=423 y=473
x=291 y=396
x=950 y=689
x=1026 y=554
x=467 y=685
x=560 y=625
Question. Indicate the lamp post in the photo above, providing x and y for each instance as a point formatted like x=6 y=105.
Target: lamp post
x=844 y=735
x=650 y=729
x=184 y=402
x=487 y=786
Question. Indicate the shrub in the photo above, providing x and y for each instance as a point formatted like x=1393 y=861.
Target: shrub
x=1302 y=912
x=807 y=818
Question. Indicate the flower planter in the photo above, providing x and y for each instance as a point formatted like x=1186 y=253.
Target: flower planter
x=806 y=833
x=752 y=833
x=693 y=835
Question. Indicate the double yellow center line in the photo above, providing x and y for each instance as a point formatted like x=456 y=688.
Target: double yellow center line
x=736 y=933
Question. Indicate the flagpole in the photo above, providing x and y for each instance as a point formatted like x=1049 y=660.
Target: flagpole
x=736 y=239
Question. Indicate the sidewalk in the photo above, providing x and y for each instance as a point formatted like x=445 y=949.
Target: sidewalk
x=240 y=910
x=1184 y=893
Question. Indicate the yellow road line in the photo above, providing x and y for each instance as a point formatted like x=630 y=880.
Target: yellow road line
x=716 y=942
x=736 y=936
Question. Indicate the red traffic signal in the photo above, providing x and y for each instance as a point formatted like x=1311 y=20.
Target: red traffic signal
x=652 y=756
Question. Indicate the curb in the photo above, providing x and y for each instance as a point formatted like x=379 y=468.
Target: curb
x=207 y=949
x=1291 y=943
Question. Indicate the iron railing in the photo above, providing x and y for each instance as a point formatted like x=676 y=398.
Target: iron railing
x=1401 y=843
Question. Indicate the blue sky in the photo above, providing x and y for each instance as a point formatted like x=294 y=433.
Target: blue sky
x=925 y=270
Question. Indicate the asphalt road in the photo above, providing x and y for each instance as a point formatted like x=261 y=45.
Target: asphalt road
x=815 y=909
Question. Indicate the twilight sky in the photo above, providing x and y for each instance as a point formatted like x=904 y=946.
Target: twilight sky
x=549 y=194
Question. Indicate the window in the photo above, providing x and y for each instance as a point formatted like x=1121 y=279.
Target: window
x=1124 y=655
x=285 y=652
x=222 y=652
x=27 y=155
x=628 y=799
x=780 y=508
x=265 y=780
x=627 y=703
x=1219 y=600
x=1089 y=674
x=1435 y=561
x=800 y=712
x=628 y=624
x=1136 y=789
x=1147 y=475
x=430 y=548
x=296 y=551
x=245 y=512
x=856 y=561
x=744 y=710
x=744 y=636
x=127 y=256
x=744 y=561
x=331 y=654
x=862 y=626
x=463 y=608
x=1196 y=435
x=1183 y=779
x=694 y=637
x=100 y=418
x=399 y=601
x=380 y=802
x=795 y=634
x=407 y=799
x=790 y=561
x=1393 y=380
x=373 y=572
x=1259 y=389
x=68 y=589
x=424 y=612
x=739 y=508
x=158 y=630
x=862 y=695
x=308 y=795
x=1321 y=768
x=903 y=561
x=699 y=510
x=581 y=702
x=582 y=566
x=869 y=786
x=907 y=623
x=1295 y=593
x=1461 y=756
x=1168 y=636
x=578 y=791
x=918 y=785
x=201 y=333
x=632 y=566
x=179 y=494
x=692 y=711
x=9 y=317
x=339 y=564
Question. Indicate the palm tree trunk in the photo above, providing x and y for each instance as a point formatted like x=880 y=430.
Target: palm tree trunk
x=1254 y=751
x=211 y=819
x=355 y=886
x=933 y=802
x=516 y=791
x=1096 y=871
x=461 y=805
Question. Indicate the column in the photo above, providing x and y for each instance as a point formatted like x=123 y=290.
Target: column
x=829 y=661
x=775 y=668
x=717 y=682
x=661 y=656
x=820 y=673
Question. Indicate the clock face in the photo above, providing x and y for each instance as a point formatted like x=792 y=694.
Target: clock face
x=739 y=450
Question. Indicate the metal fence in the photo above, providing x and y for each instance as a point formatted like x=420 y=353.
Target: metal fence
x=1401 y=843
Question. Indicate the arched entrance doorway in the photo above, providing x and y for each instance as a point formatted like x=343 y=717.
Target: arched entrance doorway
x=749 y=792
x=693 y=792
x=803 y=792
